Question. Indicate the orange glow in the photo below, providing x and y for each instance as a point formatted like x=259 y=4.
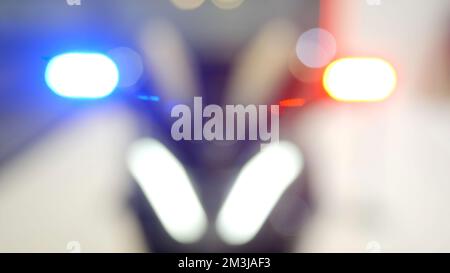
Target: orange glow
x=360 y=79
x=297 y=102
x=187 y=4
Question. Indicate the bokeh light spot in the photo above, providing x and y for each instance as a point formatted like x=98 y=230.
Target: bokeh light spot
x=316 y=48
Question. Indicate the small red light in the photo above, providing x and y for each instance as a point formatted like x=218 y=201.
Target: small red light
x=295 y=102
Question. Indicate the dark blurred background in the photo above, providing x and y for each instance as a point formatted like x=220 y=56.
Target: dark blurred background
x=375 y=173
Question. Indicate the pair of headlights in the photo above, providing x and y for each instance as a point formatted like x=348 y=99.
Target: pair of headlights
x=257 y=189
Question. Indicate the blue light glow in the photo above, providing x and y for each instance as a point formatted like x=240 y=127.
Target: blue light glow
x=82 y=75
x=148 y=98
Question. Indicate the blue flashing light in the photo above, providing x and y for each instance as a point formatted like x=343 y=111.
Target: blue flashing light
x=82 y=75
